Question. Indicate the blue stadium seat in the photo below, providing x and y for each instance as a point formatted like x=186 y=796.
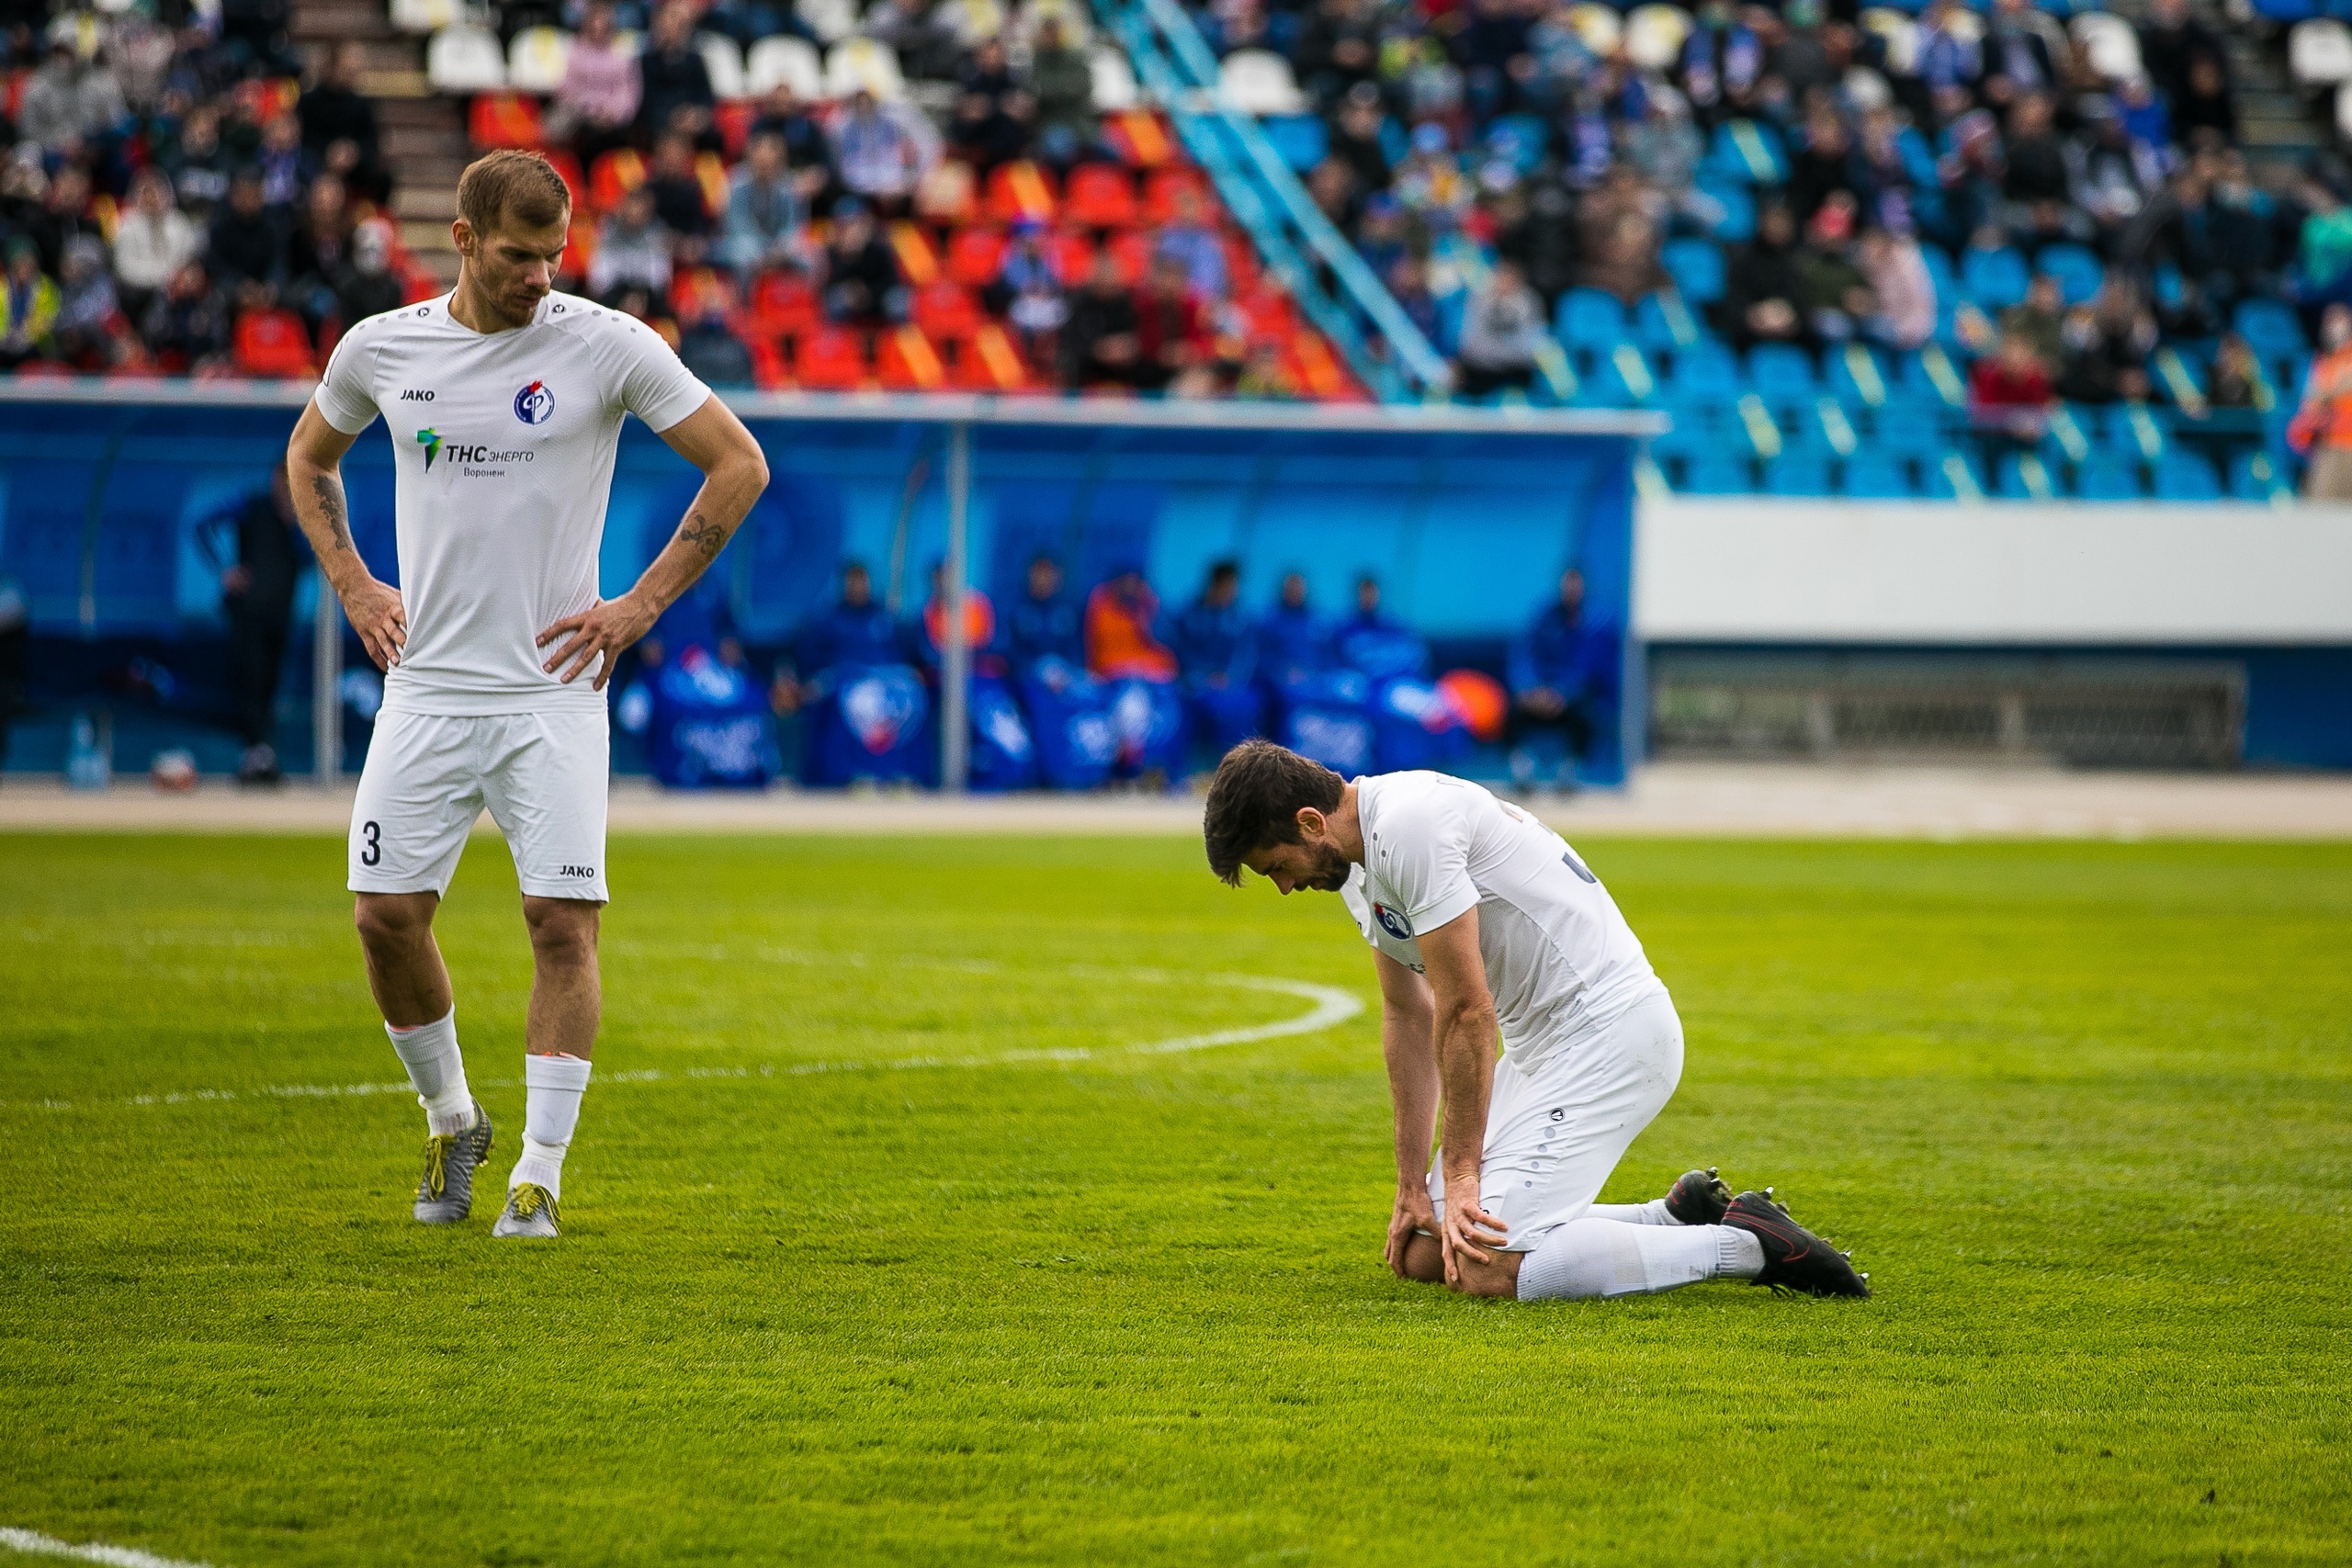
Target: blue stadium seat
x=1935 y=377
x=1859 y=376
x=1939 y=273
x=1748 y=151
x=2185 y=476
x=1953 y=476
x=2079 y=272
x=1666 y=323
x=1299 y=138
x=1717 y=475
x=2285 y=11
x=2134 y=431
x=1779 y=369
x=2270 y=328
x=2260 y=476
x=1694 y=433
x=1736 y=223
x=1994 y=279
x=1707 y=369
x=2109 y=476
x=1590 y=319
x=1797 y=473
x=1874 y=476
x=2025 y=477
x=1620 y=378
x=1697 y=268
x=1900 y=433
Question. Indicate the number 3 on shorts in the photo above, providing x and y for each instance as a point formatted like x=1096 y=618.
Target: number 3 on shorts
x=374 y=852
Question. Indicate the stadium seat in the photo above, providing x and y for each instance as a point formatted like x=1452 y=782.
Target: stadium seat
x=1953 y=476
x=863 y=63
x=614 y=176
x=464 y=58
x=2023 y=476
x=723 y=59
x=1099 y=196
x=1078 y=30
x=1589 y=317
x=830 y=20
x=1115 y=82
x=2079 y=272
x=504 y=120
x=2109 y=42
x=1664 y=323
x=1072 y=255
x=1159 y=188
x=784 y=61
x=1259 y=82
x=536 y=59
x=1993 y=279
x=1017 y=190
x=907 y=361
x=1654 y=35
x=2258 y=476
x=1877 y=477
x=1299 y=139
x=1131 y=249
x=1735 y=219
x=2132 y=432
x=2108 y=476
x=1697 y=268
x=975 y=255
x=1621 y=378
x=2185 y=476
x=1797 y=474
x=1717 y=475
x=425 y=16
x=2319 y=52
x=990 y=362
x=1598 y=27
x=1706 y=370
x=1931 y=376
x=1781 y=370
x=1692 y=433
x=272 y=343
x=1858 y=376
x=782 y=305
x=2270 y=328
x=829 y=359
x=918 y=257
x=1748 y=151
x=947 y=310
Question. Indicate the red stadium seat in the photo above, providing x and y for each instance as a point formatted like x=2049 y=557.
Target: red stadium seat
x=733 y=118
x=946 y=311
x=830 y=359
x=1073 y=257
x=918 y=257
x=271 y=343
x=990 y=364
x=768 y=372
x=1099 y=196
x=504 y=120
x=975 y=256
x=613 y=176
x=907 y=361
x=1139 y=139
x=1132 y=251
x=1160 y=190
x=783 y=305
x=573 y=180
x=693 y=291
x=711 y=170
x=1018 y=190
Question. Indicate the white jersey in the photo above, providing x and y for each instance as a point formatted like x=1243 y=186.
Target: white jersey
x=503 y=448
x=1561 y=962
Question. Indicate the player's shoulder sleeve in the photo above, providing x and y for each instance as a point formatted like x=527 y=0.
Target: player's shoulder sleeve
x=642 y=374
x=346 y=393
x=1423 y=853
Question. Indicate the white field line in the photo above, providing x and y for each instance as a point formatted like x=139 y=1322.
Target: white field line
x=36 y=1544
x=1332 y=1005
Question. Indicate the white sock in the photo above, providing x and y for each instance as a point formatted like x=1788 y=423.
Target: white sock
x=430 y=1053
x=1650 y=1213
x=1589 y=1257
x=551 y=1089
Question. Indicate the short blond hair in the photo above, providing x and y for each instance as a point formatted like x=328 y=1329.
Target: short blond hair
x=510 y=185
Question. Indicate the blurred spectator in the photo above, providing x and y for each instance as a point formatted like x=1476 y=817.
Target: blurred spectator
x=989 y=130
x=67 y=103
x=246 y=242
x=1831 y=290
x=2236 y=380
x=366 y=287
x=1337 y=49
x=2204 y=107
x=1045 y=623
x=319 y=251
x=1375 y=644
x=1172 y=329
x=854 y=631
x=596 y=108
x=2036 y=158
x=882 y=151
x=1762 y=286
x=1408 y=281
x=87 y=310
x=1355 y=138
x=254 y=32
x=62 y=217
x=1193 y=243
x=1292 y=642
x=712 y=351
x=152 y=242
x=1897 y=279
x=2322 y=428
x=28 y=306
x=632 y=248
x=1216 y=651
x=673 y=83
x=862 y=279
x=279 y=163
x=1621 y=239
x=2008 y=392
x=679 y=200
x=197 y=163
x=2040 y=318
x=1100 y=345
x=2022 y=49
x=2108 y=344
x=186 y=326
x=764 y=213
x=1028 y=293
x=1556 y=672
x=983 y=636
x=1502 y=328
x=2170 y=37
x=920 y=31
x=1263 y=377
x=1123 y=640
x=807 y=152
x=338 y=123
x=257 y=594
x=1061 y=81
x=2110 y=176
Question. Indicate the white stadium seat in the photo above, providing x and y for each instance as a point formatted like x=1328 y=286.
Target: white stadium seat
x=1598 y=27
x=1900 y=33
x=535 y=60
x=1257 y=81
x=1077 y=31
x=857 y=62
x=722 y=58
x=2319 y=52
x=788 y=60
x=424 y=17
x=2344 y=112
x=1654 y=35
x=830 y=20
x=2110 y=44
x=463 y=58
x=973 y=22
x=1115 y=82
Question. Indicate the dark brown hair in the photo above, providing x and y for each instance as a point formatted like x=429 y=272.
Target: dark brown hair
x=513 y=186
x=1255 y=799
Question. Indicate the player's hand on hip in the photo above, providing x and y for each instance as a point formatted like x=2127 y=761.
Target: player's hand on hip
x=607 y=628
x=1412 y=1215
x=376 y=613
x=1468 y=1228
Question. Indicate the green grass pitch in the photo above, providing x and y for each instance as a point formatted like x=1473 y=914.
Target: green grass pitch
x=2083 y=1111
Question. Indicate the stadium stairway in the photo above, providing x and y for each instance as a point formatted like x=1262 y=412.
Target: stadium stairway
x=424 y=134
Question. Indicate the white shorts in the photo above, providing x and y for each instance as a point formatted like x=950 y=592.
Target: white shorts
x=543 y=777
x=1556 y=1131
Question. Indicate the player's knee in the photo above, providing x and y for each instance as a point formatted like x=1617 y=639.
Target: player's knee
x=392 y=921
x=564 y=930
x=1424 y=1260
x=1498 y=1277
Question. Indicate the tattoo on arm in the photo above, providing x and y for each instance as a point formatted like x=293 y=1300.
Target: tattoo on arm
x=329 y=491
x=702 y=537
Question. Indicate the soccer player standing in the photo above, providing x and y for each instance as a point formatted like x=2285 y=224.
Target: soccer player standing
x=1484 y=921
x=505 y=400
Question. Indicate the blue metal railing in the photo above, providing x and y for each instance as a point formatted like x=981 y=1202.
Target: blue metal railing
x=1299 y=245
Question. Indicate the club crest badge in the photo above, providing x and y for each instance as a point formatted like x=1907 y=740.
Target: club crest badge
x=535 y=404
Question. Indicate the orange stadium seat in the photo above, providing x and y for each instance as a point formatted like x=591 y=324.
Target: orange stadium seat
x=947 y=310
x=693 y=291
x=1269 y=312
x=1099 y=196
x=1020 y=189
x=271 y=343
x=711 y=170
x=975 y=256
x=830 y=359
x=504 y=120
x=918 y=257
x=1315 y=367
x=613 y=176
x=907 y=361
x=1139 y=139
x=990 y=364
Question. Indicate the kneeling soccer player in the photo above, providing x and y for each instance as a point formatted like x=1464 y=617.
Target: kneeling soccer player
x=1483 y=919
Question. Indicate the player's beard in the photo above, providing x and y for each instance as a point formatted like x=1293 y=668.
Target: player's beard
x=1329 y=872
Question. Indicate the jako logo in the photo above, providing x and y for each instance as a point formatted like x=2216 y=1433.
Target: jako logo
x=535 y=404
x=575 y=871
x=431 y=441
x=412 y=395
